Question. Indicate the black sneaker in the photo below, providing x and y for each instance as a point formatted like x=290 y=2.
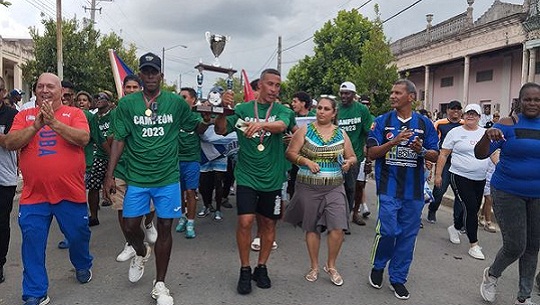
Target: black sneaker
x=431 y=218
x=260 y=275
x=400 y=291
x=376 y=277
x=244 y=282
x=226 y=204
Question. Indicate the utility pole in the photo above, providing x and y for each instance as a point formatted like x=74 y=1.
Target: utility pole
x=59 y=54
x=93 y=9
x=279 y=50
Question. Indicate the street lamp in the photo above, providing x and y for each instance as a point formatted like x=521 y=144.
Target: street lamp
x=163 y=55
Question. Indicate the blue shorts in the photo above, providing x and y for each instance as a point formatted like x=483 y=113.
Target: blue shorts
x=189 y=175
x=167 y=201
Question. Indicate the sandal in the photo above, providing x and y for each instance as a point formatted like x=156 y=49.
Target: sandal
x=358 y=220
x=312 y=275
x=335 y=277
x=490 y=227
x=256 y=244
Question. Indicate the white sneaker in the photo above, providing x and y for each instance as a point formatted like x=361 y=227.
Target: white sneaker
x=151 y=233
x=476 y=252
x=126 y=254
x=454 y=235
x=364 y=210
x=274 y=245
x=488 y=288
x=161 y=294
x=136 y=268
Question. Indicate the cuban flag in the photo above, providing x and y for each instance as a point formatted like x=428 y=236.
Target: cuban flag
x=120 y=70
x=248 y=91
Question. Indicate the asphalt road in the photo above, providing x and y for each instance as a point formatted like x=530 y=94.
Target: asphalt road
x=205 y=270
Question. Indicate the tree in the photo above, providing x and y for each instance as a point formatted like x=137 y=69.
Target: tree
x=85 y=54
x=238 y=89
x=348 y=48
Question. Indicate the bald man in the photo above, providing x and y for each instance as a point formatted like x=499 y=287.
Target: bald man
x=51 y=138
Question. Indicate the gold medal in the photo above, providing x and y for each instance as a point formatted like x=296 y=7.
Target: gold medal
x=260 y=147
x=148 y=112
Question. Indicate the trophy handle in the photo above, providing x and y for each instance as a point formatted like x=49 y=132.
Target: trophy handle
x=208 y=35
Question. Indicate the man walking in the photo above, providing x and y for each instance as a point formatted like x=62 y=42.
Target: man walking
x=261 y=124
x=399 y=142
x=51 y=138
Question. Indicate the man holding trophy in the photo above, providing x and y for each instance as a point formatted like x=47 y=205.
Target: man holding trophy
x=260 y=125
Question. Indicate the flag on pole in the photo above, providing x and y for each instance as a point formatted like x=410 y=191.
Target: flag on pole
x=120 y=70
x=248 y=91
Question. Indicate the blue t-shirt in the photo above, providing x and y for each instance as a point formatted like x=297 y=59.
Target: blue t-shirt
x=400 y=173
x=517 y=171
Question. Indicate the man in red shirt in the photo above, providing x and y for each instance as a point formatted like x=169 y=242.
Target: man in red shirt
x=51 y=138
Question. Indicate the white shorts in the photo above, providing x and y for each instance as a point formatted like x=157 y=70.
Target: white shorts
x=361 y=174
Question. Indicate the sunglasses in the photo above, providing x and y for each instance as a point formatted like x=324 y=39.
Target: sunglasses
x=154 y=108
x=329 y=96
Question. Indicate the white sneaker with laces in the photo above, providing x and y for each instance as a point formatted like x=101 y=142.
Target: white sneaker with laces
x=151 y=233
x=161 y=294
x=454 y=235
x=136 y=268
x=488 y=288
x=476 y=252
x=364 y=210
x=126 y=254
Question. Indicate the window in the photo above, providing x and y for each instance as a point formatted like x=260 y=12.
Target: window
x=447 y=81
x=537 y=67
x=484 y=76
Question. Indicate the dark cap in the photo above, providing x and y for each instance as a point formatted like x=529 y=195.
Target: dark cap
x=454 y=104
x=150 y=60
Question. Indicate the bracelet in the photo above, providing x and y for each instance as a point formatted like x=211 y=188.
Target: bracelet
x=297 y=159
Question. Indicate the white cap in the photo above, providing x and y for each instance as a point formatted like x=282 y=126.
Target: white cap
x=347 y=86
x=473 y=107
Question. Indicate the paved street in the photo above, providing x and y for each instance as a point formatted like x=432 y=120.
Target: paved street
x=205 y=270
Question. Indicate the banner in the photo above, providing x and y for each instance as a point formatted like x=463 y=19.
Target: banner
x=120 y=71
x=248 y=91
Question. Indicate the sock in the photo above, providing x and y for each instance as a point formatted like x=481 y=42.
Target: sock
x=191 y=221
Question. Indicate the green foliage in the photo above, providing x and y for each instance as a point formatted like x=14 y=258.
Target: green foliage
x=238 y=89
x=348 y=48
x=85 y=54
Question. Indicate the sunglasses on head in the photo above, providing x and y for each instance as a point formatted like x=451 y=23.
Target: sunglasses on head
x=332 y=97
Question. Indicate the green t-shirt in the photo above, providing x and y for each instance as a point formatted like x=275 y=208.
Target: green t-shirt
x=151 y=146
x=356 y=120
x=98 y=130
x=260 y=170
x=120 y=169
x=89 y=148
x=190 y=145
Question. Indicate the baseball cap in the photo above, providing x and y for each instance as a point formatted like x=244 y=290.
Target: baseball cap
x=16 y=92
x=473 y=107
x=150 y=60
x=454 y=104
x=347 y=86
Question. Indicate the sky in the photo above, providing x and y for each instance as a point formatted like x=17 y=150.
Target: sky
x=253 y=27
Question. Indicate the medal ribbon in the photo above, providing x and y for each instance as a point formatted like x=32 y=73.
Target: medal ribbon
x=265 y=118
x=152 y=100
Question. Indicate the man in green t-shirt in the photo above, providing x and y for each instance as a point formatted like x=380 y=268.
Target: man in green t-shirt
x=260 y=125
x=147 y=126
x=355 y=119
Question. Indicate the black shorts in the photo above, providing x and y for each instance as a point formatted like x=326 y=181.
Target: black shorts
x=250 y=201
x=97 y=174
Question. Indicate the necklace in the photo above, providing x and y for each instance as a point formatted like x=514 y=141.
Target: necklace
x=149 y=102
x=261 y=147
x=334 y=133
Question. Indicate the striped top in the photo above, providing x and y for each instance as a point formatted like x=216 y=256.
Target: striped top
x=324 y=153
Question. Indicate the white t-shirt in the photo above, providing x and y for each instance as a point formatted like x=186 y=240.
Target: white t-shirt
x=464 y=163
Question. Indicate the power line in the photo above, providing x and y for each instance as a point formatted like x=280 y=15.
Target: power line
x=403 y=10
x=272 y=56
x=42 y=9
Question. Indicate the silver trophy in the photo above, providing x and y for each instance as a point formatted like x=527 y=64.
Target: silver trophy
x=217 y=44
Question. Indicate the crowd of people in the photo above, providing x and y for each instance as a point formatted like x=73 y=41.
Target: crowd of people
x=150 y=157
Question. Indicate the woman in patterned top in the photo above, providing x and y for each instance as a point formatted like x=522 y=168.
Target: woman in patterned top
x=323 y=152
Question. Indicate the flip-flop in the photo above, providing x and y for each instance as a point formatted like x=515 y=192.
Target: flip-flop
x=256 y=244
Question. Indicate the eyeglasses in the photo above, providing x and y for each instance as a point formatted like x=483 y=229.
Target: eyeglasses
x=154 y=108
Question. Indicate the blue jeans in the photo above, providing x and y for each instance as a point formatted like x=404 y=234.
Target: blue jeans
x=518 y=219
x=35 y=221
x=438 y=193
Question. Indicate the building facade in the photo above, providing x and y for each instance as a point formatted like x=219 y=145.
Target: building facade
x=482 y=61
x=13 y=53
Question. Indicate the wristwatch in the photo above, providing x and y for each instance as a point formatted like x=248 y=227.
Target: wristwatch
x=423 y=152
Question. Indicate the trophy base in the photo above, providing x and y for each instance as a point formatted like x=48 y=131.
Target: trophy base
x=213 y=109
